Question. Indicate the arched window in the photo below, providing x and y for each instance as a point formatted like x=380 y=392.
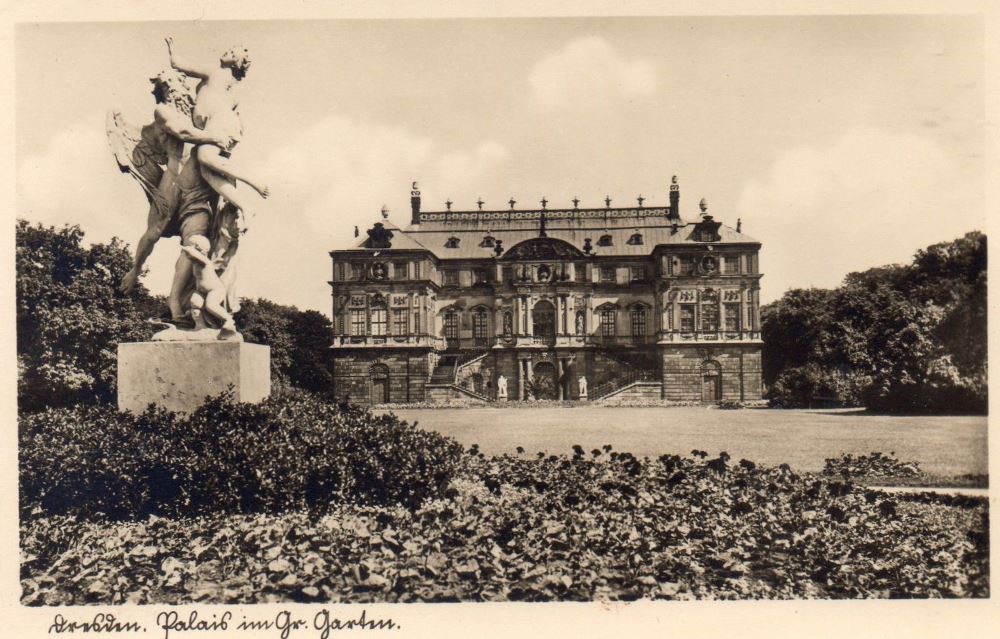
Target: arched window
x=636 y=238
x=605 y=240
x=452 y=242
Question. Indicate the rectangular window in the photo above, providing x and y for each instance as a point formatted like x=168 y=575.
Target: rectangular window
x=752 y=263
x=731 y=264
x=357 y=270
x=580 y=272
x=508 y=274
x=450 y=278
x=338 y=271
x=607 y=274
x=638 y=322
x=732 y=317
x=637 y=273
x=481 y=276
x=416 y=270
x=400 y=321
x=378 y=321
x=359 y=321
x=451 y=325
x=416 y=323
x=399 y=271
x=608 y=322
x=340 y=323
x=479 y=325
x=687 y=318
x=687 y=265
x=710 y=317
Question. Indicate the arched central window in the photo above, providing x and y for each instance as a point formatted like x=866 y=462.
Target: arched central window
x=607 y=322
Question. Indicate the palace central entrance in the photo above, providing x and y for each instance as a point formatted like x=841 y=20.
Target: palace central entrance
x=543 y=318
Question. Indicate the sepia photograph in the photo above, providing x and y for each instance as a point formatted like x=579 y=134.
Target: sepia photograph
x=594 y=309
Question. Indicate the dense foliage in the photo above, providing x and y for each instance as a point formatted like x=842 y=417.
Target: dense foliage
x=896 y=339
x=874 y=466
x=597 y=525
x=290 y=452
x=299 y=340
x=71 y=317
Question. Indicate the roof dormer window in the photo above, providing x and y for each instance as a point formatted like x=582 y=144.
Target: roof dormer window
x=636 y=238
x=488 y=241
x=605 y=240
x=452 y=242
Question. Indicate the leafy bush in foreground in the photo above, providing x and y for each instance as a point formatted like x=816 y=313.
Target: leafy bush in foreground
x=874 y=466
x=290 y=452
x=597 y=525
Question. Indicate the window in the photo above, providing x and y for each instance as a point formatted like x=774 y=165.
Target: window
x=686 y=265
x=731 y=264
x=416 y=270
x=378 y=320
x=450 y=278
x=340 y=323
x=607 y=274
x=451 y=325
x=481 y=276
x=479 y=325
x=580 y=272
x=687 y=318
x=400 y=321
x=399 y=271
x=357 y=271
x=507 y=273
x=488 y=241
x=608 y=322
x=636 y=238
x=752 y=263
x=732 y=317
x=338 y=271
x=637 y=273
x=416 y=323
x=605 y=240
x=638 y=321
x=451 y=242
x=359 y=323
x=710 y=317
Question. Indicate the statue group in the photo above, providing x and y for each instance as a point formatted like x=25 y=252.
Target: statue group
x=183 y=160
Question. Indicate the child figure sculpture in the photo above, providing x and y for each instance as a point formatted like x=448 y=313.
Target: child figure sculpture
x=210 y=293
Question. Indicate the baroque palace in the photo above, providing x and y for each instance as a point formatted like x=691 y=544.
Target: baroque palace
x=507 y=305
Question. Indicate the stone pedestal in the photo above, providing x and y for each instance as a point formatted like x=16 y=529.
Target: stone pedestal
x=180 y=375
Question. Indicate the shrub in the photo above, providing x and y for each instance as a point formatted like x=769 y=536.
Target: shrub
x=876 y=465
x=289 y=452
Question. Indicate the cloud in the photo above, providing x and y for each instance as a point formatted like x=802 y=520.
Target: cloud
x=868 y=199
x=588 y=72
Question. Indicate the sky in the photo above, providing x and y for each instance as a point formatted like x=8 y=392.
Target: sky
x=842 y=143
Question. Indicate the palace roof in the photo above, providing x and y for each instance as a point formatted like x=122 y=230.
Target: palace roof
x=438 y=231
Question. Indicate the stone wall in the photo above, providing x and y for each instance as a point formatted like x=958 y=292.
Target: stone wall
x=685 y=369
x=408 y=372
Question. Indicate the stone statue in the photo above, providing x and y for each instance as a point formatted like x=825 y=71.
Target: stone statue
x=183 y=184
x=210 y=292
x=502 y=388
x=508 y=324
x=582 y=381
x=580 y=321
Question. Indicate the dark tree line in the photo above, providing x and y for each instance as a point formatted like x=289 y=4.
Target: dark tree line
x=71 y=317
x=903 y=338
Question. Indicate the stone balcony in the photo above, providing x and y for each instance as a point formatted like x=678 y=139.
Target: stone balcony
x=388 y=341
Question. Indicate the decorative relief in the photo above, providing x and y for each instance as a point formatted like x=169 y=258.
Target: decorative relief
x=731 y=296
x=400 y=300
x=359 y=300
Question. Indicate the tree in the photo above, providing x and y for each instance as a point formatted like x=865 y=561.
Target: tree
x=71 y=317
x=299 y=340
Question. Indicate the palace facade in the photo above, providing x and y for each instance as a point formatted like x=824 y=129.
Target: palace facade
x=638 y=301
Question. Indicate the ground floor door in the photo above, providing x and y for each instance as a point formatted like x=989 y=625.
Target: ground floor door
x=711 y=388
x=379 y=384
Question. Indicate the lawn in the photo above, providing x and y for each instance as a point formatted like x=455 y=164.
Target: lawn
x=943 y=445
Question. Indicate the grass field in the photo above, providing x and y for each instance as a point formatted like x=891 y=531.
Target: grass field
x=944 y=446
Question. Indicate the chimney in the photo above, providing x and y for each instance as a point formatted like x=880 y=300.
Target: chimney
x=675 y=200
x=415 y=204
